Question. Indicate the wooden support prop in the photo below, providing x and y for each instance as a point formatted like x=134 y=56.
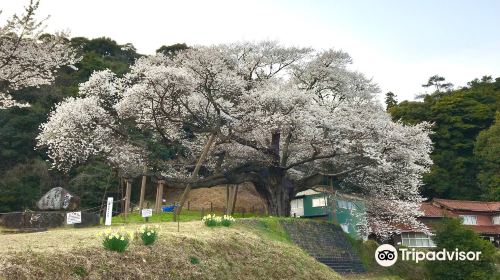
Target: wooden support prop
x=227 y=198
x=201 y=159
x=162 y=186
x=159 y=196
x=122 y=194
x=156 y=198
x=233 y=200
x=127 y=197
x=230 y=196
x=143 y=188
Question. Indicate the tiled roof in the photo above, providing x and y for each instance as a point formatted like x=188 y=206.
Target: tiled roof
x=494 y=229
x=481 y=206
x=431 y=210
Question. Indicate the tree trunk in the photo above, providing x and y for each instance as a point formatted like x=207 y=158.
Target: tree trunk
x=276 y=191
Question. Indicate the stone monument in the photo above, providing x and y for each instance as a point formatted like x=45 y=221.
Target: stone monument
x=53 y=207
x=58 y=199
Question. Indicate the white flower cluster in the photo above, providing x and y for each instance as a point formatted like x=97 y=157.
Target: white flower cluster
x=228 y=218
x=212 y=220
x=211 y=217
x=148 y=230
x=118 y=235
x=300 y=111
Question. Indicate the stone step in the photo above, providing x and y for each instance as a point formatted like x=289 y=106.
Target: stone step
x=325 y=242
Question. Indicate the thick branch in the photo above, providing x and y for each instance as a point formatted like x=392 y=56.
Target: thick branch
x=313 y=158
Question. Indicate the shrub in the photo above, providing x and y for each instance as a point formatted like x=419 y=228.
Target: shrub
x=451 y=234
x=116 y=241
x=194 y=260
x=80 y=271
x=148 y=234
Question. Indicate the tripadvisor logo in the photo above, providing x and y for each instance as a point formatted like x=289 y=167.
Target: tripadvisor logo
x=387 y=255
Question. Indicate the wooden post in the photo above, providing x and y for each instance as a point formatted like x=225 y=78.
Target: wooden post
x=211 y=208
x=227 y=199
x=162 y=185
x=201 y=159
x=127 y=197
x=143 y=188
x=202 y=212
x=159 y=196
x=122 y=194
x=156 y=198
x=189 y=202
x=232 y=200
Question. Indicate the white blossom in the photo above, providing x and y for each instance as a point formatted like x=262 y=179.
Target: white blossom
x=300 y=111
x=29 y=58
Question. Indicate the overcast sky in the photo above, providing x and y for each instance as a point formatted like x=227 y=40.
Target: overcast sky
x=399 y=44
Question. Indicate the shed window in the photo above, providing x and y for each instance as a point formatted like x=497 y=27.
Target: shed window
x=319 y=202
x=469 y=219
x=346 y=204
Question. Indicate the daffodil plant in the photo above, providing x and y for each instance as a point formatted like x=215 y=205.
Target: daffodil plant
x=116 y=240
x=148 y=234
x=211 y=220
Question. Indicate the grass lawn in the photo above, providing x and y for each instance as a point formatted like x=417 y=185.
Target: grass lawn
x=186 y=216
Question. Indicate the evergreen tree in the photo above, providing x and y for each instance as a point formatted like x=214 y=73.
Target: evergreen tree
x=458 y=117
x=390 y=100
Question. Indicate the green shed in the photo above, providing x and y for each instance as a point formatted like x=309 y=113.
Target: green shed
x=347 y=211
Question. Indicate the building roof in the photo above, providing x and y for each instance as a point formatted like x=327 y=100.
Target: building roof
x=493 y=229
x=319 y=190
x=307 y=192
x=478 y=206
x=432 y=211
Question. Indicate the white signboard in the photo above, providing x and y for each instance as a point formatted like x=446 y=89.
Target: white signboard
x=147 y=213
x=109 y=211
x=73 y=218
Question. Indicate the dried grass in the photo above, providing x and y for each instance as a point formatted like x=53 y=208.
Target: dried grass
x=223 y=253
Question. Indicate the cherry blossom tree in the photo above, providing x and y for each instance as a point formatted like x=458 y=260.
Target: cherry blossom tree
x=279 y=117
x=28 y=57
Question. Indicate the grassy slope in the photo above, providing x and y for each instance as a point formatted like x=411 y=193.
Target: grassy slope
x=249 y=250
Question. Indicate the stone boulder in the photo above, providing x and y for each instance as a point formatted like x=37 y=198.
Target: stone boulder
x=58 y=199
x=21 y=220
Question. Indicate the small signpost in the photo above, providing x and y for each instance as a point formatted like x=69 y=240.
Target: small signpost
x=73 y=218
x=146 y=213
x=109 y=211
